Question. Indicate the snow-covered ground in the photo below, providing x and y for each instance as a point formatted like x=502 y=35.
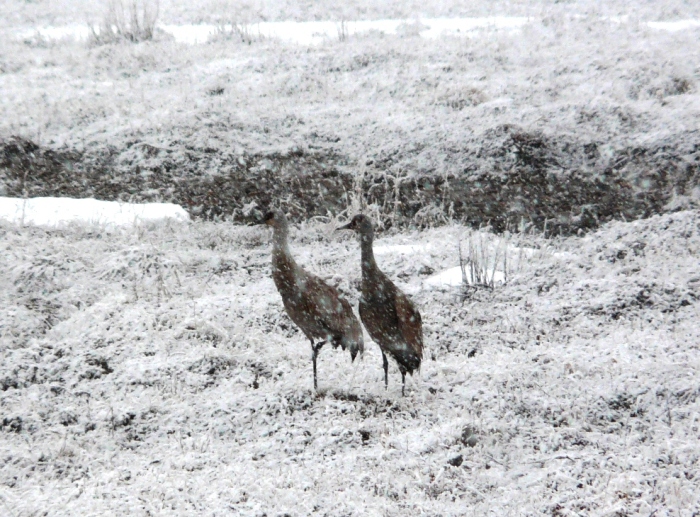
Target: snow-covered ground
x=152 y=370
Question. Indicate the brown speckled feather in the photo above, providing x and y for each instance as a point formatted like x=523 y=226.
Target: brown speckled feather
x=391 y=320
x=410 y=324
x=315 y=307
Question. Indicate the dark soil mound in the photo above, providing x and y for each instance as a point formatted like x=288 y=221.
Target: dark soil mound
x=513 y=177
x=509 y=178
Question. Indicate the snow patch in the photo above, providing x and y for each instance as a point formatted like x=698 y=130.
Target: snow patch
x=53 y=211
x=453 y=278
x=75 y=31
x=190 y=34
x=403 y=249
x=676 y=26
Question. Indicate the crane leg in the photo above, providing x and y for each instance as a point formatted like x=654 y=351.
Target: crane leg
x=314 y=353
x=385 y=364
x=403 y=384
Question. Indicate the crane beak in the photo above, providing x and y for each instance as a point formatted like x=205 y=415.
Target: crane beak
x=344 y=227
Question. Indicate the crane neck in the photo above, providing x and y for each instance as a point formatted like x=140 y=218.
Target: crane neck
x=368 y=262
x=280 y=241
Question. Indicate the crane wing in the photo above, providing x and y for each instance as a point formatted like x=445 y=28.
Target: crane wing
x=410 y=322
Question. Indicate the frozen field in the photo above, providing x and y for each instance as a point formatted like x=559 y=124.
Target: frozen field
x=152 y=370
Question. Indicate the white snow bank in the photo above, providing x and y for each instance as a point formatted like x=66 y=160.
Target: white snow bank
x=314 y=32
x=453 y=278
x=311 y=32
x=52 y=211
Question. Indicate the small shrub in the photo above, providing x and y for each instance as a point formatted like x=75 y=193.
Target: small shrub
x=482 y=265
x=342 y=29
x=134 y=21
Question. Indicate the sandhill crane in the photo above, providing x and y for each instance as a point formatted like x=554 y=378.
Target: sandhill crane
x=387 y=313
x=317 y=308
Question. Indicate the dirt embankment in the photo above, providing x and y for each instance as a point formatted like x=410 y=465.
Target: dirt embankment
x=508 y=177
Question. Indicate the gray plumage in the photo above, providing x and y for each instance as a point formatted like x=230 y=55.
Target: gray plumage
x=314 y=306
x=389 y=316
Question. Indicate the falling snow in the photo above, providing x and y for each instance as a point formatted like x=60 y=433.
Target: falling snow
x=147 y=365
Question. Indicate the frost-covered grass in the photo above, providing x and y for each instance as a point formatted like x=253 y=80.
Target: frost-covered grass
x=152 y=370
x=401 y=103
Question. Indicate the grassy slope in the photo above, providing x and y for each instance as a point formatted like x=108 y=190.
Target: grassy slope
x=154 y=370
x=368 y=96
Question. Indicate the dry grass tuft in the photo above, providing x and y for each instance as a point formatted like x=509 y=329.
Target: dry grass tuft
x=133 y=21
